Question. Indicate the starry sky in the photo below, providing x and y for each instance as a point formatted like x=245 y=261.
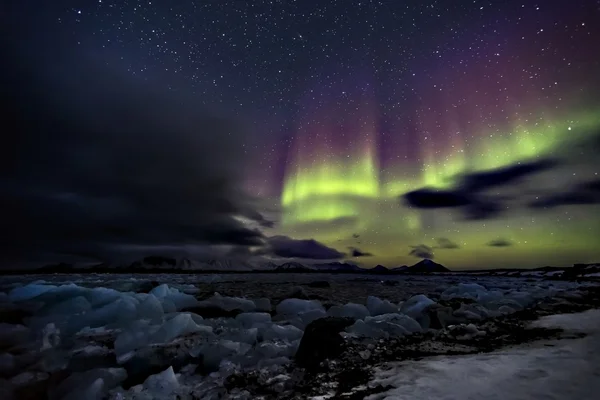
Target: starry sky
x=377 y=132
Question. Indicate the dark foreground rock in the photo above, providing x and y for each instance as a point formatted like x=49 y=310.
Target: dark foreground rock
x=322 y=341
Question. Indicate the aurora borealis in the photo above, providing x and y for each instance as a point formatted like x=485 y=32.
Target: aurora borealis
x=348 y=107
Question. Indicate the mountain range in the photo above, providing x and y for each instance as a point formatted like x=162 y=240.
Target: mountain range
x=162 y=264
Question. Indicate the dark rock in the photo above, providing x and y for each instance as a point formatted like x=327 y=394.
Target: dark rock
x=389 y=283
x=319 y=284
x=322 y=341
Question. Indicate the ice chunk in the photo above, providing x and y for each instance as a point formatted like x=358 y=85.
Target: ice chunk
x=163 y=383
x=523 y=298
x=94 y=391
x=101 y=296
x=384 y=325
x=488 y=296
x=263 y=304
x=91 y=384
x=229 y=303
x=28 y=292
x=283 y=332
x=277 y=349
x=292 y=307
x=309 y=316
x=464 y=290
x=248 y=320
x=150 y=308
x=136 y=336
x=361 y=328
x=122 y=310
x=415 y=306
x=351 y=310
x=178 y=299
x=466 y=332
x=407 y=323
x=472 y=312
x=215 y=352
x=72 y=306
x=249 y=336
x=376 y=306
x=182 y=324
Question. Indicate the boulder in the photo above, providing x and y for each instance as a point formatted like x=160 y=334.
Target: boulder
x=321 y=341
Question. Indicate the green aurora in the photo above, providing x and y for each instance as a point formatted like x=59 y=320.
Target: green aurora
x=348 y=202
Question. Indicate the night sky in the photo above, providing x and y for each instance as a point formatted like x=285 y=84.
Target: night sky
x=378 y=132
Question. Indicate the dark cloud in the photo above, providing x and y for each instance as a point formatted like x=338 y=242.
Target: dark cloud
x=93 y=161
x=468 y=196
x=286 y=247
x=354 y=252
x=500 y=242
x=479 y=181
x=445 y=243
x=421 y=251
x=584 y=193
x=431 y=198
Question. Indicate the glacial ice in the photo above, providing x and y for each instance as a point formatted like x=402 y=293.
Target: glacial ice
x=143 y=326
x=250 y=319
x=229 y=303
x=161 y=384
x=283 y=332
x=385 y=325
x=178 y=299
x=414 y=306
x=28 y=292
x=350 y=310
x=376 y=306
x=91 y=384
x=293 y=307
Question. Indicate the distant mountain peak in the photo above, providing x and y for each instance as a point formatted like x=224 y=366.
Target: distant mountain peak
x=427 y=265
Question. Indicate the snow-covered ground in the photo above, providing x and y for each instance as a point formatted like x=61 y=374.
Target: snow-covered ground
x=561 y=370
x=175 y=336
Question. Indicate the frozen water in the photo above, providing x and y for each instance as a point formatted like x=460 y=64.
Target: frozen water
x=263 y=304
x=309 y=316
x=283 y=332
x=161 y=384
x=28 y=292
x=414 y=306
x=181 y=324
x=150 y=308
x=248 y=320
x=464 y=290
x=350 y=310
x=91 y=384
x=174 y=296
x=229 y=303
x=74 y=320
x=376 y=306
x=293 y=307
